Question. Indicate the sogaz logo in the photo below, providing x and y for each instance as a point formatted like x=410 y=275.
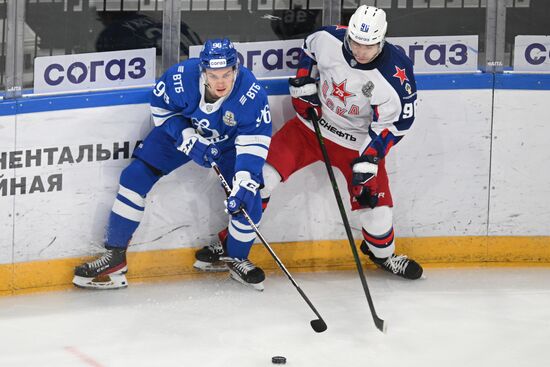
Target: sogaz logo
x=99 y=70
x=219 y=63
x=79 y=72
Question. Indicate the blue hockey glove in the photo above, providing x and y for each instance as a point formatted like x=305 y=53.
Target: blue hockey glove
x=243 y=193
x=197 y=148
x=304 y=96
x=364 y=183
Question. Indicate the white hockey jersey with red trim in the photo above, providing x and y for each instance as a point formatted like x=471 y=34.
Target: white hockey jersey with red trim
x=364 y=105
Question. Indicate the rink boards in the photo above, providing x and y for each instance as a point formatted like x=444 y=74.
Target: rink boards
x=471 y=183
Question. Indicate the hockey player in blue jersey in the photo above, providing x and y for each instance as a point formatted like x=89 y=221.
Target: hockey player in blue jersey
x=364 y=91
x=204 y=109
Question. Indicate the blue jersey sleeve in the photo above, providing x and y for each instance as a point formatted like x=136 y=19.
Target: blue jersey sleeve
x=253 y=130
x=170 y=98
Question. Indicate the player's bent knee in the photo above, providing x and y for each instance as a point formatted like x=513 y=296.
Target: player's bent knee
x=139 y=177
x=377 y=221
x=271 y=179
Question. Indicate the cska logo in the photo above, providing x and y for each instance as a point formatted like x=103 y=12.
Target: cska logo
x=339 y=91
x=400 y=74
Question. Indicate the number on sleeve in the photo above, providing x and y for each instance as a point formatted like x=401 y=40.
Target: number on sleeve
x=159 y=89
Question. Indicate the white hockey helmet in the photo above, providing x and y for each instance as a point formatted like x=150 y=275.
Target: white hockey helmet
x=367 y=25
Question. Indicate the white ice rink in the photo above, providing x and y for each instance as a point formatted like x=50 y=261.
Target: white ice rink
x=456 y=317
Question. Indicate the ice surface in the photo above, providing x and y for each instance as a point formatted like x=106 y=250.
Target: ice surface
x=456 y=317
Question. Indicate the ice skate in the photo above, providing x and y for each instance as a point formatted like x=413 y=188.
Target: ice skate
x=105 y=272
x=399 y=265
x=208 y=257
x=245 y=272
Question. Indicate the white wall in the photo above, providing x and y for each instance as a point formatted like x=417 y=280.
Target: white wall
x=7 y=142
x=439 y=175
x=520 y=176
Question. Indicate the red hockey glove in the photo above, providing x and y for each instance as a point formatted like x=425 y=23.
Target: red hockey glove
x=364 y=183
x=304 y=96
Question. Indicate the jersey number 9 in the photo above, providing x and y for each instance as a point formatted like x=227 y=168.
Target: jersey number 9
x=409 y=110
x=159 y=89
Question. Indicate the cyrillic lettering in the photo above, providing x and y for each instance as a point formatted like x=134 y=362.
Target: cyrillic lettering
x=3 y=160
x=14 y=185
x=121 y=69
x=74 y=75
x=82 y=149
x=295 y=53
x=438 y=61
x=36 y=185
x=93 y=68
x=15 y=159
x=48 y=71
x=29 y=157
x=4 y=187
x=250 y=58
x=55 y=182
x=66 y=156
x=413 y=49
x=50 y=152
x=278 y=53
x=529 y=51
x=461 y=54
x=139 y=68
x=125 y=149
x=102 y=154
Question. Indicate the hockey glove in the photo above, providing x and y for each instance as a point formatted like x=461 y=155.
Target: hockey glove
x=197 y=148
x=243 y=193
x=364 y=184
x=304 y=96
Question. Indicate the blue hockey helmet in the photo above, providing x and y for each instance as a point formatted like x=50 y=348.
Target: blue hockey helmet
x=218 y=53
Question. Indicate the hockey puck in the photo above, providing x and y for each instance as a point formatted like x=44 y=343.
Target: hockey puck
x=278 y=360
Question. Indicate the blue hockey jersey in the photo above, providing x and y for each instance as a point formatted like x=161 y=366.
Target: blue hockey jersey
x=241 y=120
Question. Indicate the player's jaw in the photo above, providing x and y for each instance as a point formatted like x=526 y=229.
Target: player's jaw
x=364 y=54
x=220 y=81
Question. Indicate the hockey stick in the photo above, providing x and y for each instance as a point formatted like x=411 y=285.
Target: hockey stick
x=380 y=324
x=318 y=325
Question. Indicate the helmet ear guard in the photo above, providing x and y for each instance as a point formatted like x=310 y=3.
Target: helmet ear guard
x=218 y=54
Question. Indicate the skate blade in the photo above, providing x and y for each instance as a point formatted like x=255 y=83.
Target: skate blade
x=113 y=281
x=217 y=266
x=258 y=286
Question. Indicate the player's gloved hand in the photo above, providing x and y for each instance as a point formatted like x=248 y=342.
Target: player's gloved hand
x=197 y=148
x=243 y=193
x=304 y=96
x=364 y=184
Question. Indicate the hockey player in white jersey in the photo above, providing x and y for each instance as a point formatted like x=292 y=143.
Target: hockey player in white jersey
x=365 y=97
x=206 y=109
x=364 y=91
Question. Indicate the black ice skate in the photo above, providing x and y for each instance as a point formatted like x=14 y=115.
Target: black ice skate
x=397 y=264
x=245 y=272
x=208 y=257
x=105 y=272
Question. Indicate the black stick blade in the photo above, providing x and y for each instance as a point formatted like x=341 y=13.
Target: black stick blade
x=380 y=324
x=318 y=325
